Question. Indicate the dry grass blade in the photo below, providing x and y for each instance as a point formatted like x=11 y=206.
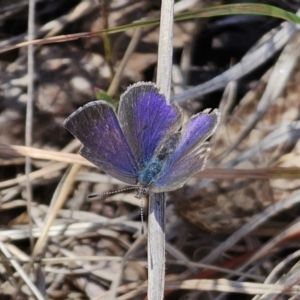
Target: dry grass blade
x=131 y=47
x=51 y=28
x=10 y=151
x=56 y=205
x=277 y=82
x=271 y=245
x=254 y=223
x=260 y=173
x=223 y=285
x=118 y=277
x=33 y=175
x=21 y=272
x=276 y=41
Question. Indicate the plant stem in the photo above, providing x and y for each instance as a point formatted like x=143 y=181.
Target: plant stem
x=157 y=204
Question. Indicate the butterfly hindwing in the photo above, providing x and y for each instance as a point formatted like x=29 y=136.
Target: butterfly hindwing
x=96 y=126
x=191 y=152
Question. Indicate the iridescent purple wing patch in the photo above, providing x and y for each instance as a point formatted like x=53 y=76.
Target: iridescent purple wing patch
x=191 y=152
x=145 y=145
x=146 y=119
x=96 y=126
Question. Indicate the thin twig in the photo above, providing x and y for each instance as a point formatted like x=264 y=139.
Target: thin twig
x=29 y=111
x=131 y=47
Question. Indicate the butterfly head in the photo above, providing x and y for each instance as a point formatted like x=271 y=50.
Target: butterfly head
x=142 y=190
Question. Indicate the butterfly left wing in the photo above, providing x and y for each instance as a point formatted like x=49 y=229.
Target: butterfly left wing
x=96 y=126
x=191 y=152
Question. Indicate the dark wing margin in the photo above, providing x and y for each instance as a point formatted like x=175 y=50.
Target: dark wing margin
x=96 y=126
x=146 y=119
x=190 y=156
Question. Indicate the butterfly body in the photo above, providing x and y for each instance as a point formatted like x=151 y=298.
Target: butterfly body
x=145 y=144
x=151 y=172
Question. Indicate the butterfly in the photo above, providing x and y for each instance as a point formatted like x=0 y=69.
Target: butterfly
x=146 y=143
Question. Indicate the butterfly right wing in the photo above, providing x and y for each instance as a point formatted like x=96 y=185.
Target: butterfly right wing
x=96 y=126
x=191 y=153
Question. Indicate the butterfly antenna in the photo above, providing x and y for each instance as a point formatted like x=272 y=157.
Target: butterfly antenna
x=93 y=196
x=142 y=215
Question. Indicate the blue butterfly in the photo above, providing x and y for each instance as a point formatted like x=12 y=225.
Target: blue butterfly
x=145 y=144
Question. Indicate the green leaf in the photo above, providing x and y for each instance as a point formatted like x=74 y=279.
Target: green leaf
x=214 y=11
x=102 y=95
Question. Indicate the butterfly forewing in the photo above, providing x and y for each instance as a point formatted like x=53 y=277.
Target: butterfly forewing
x=96 y=126
x=146 y=119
